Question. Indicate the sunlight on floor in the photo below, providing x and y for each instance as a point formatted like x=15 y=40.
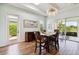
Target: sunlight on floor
x=13 y=50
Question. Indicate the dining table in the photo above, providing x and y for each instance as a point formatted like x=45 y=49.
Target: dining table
x=47 y=39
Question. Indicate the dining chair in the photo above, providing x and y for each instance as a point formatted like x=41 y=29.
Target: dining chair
x=55 y=38
x=39 y=42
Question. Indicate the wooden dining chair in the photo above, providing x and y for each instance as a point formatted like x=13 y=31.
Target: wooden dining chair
x=57 y=39
x=39 y=42
x=54 y=39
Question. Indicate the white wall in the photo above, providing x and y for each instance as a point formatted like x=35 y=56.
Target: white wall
x=7 y=9
x=50 y=24
x=2 y=27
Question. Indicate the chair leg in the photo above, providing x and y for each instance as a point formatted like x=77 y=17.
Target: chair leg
x=58 y=45
x=40 y=49
x=35 y=47
x=55 y=46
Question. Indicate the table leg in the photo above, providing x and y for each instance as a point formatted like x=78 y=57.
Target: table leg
x=40 y=49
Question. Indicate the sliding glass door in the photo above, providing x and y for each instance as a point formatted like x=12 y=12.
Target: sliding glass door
x=68 y=27
x=71 y=28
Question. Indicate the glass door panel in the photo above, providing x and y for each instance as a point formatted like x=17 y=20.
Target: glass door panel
x=71 y=28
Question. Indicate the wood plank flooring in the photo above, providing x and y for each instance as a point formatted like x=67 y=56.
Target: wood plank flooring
x=27 y=48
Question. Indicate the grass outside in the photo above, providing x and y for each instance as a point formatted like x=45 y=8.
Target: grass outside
x=68 y=28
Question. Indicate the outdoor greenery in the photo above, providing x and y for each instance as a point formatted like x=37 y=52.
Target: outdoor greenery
x=71 y=29
x=62 y=28
x=13 y=29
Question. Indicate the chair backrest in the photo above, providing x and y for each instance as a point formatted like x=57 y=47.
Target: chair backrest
x=57 y=34
x=37 y=35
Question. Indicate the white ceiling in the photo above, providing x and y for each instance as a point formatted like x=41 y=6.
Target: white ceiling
x=42 y=8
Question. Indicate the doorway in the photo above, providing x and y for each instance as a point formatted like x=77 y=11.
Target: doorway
x=13 y=29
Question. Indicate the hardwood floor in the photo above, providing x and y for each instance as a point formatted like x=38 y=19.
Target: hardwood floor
x=69 y=47
x=25 y=48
